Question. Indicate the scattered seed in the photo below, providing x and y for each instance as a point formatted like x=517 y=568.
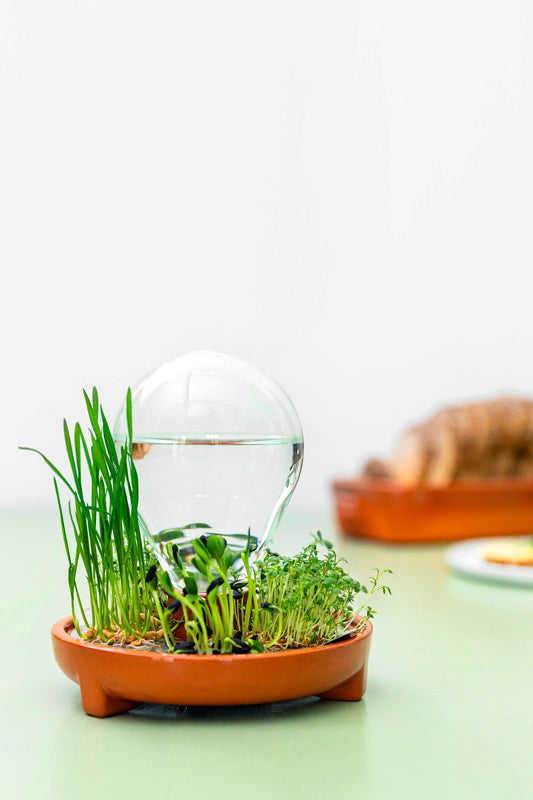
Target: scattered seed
x=184 y=647
x=239 y=646
x=214 y=583
x=150 y=575
x=149 y=635
x=136 y=642
x=160 y=634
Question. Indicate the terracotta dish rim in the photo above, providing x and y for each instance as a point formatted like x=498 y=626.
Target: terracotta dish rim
x=62 y=630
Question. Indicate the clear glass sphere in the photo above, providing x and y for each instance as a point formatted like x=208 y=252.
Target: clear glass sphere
x=216 y=443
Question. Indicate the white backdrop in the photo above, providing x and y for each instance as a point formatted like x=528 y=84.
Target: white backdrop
x=337 y=191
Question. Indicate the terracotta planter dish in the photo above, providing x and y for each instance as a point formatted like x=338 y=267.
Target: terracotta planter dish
x=380 y=509
x=114 y=679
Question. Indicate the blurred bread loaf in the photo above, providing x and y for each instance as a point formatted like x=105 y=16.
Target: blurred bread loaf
x=490 y=439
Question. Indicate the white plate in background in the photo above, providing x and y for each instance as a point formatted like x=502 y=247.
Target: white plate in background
x=465 y=557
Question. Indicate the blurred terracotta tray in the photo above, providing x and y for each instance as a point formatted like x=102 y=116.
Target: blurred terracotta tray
x=380 y=509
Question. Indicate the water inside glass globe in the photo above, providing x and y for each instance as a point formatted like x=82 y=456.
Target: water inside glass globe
x=217 y=443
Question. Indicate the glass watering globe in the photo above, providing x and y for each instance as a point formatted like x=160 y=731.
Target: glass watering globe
x=216 y=443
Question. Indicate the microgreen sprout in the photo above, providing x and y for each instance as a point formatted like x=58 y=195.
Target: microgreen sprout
x=211 y=619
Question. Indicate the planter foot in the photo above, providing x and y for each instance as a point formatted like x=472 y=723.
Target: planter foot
x=97 y=703
x=353 y=689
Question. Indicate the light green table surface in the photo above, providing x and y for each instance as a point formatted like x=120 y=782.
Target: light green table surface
x=448 y=711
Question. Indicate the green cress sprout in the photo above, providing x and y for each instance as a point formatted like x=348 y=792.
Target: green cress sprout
x=312 y=598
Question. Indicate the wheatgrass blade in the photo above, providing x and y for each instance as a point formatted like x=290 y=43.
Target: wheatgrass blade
x=52 y=467
x=109 y=546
